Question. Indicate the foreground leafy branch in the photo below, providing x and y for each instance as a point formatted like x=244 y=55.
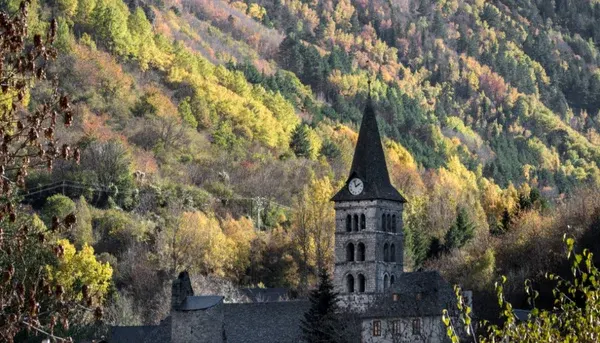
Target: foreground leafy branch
x=31 y=302
x=574 y=317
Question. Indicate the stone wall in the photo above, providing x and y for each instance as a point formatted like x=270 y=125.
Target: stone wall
x=394 y=330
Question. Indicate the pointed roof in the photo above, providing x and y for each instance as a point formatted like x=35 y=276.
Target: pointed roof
x=369 y=164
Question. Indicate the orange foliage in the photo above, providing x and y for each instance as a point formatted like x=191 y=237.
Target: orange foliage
x=95 y=126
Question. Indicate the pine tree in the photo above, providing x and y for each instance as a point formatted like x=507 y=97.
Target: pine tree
x=506 y=220
x=461 y=232
x=320 y=323
x=300 y=143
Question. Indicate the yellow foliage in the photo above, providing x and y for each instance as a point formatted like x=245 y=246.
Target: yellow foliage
x=77 y=268
x=240 y=233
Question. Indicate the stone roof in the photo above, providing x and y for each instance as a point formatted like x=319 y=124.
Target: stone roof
x=194 y=303
x=266 y=294
x=264 y=322
x=369 y=164
x=417 y=294
x=141 y=334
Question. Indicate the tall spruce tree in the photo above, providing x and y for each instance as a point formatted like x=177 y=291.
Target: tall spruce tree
x=300 y=143
x=321 y=323
x=461 y=232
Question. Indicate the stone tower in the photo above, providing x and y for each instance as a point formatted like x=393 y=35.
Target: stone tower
x=368 y=237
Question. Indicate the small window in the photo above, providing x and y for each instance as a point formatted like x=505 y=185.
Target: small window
x=363 y=222
x=392 y=253
x=394 y=223
x=396 y=327
x=348 y=223
x=389 y=223
x=350 y=283
x=350 y=252
x=386 y=282
x=416 y=326
x=395 y=297
x=361 y=252
x=361 y=283
x=355 y=223
x=376 y=328
x=386 y=252
x=392 y=279
x=383 y=226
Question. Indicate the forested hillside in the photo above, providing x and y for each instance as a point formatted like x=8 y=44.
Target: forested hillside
x=214 y=133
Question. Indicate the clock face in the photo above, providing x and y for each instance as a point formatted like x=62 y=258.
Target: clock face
x=356 y=186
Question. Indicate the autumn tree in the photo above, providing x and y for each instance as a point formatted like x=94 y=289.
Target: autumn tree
x=314 y=226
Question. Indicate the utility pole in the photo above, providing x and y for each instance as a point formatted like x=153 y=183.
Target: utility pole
x=260 y=202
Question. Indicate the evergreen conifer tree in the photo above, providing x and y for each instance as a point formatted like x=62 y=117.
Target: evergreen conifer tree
x=300 y=143
x=320 y=323
x=461 y=232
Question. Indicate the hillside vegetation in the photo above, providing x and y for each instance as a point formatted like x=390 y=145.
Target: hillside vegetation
x=214 y=133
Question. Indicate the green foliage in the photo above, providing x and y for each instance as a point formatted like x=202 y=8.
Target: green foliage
x=57 y=205
x=115 y=230
x=81 y=233
x=321 y=323
x=300 y=143
x=185 y=112
x=460 y=232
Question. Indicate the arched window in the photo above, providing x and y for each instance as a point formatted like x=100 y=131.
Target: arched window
x=394 y=223
x=383 y=226
x=392 y=253
x=350 y=283
x=361 y=283
x=355 y=223
x=350 y=252
x=392 y=279
x=363 y=222
x=389 y=223
x=348 y=223
x=386 y=252
x=360 y=255
x=386 y=281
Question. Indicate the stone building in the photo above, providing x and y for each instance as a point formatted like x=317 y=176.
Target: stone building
x=386 y=303
x=207 y=319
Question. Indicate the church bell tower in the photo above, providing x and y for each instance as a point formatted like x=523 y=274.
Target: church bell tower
x=368 y=236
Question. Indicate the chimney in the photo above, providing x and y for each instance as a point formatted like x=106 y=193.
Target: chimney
x=182 y=288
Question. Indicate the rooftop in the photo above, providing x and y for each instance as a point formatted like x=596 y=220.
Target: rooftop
x=369 y=164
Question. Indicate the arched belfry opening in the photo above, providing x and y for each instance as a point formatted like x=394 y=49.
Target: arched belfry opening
x=349 y=223
x=350 y=252
x=360 y=254
x=386 y=252
x=363 y=222
x=361 y=283
x=350 y=283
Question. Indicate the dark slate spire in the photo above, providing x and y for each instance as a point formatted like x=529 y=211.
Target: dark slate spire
x=369 y=164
